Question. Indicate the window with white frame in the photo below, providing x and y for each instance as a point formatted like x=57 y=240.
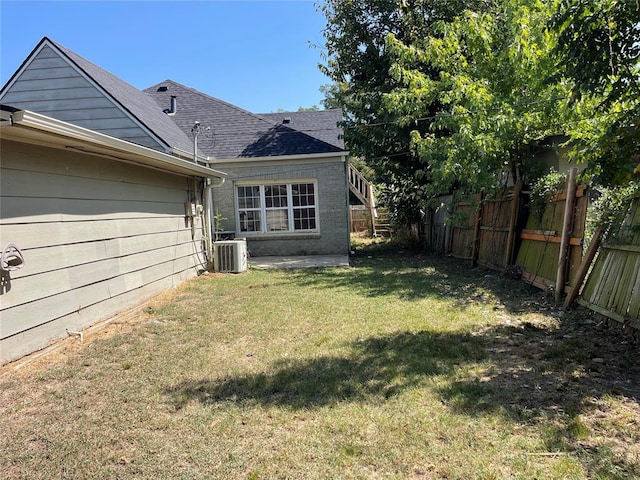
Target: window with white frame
x=277 y=207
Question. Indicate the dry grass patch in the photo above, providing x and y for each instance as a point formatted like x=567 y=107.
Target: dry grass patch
x=404 y=366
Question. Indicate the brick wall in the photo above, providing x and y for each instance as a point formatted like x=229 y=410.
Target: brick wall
x=332 y=236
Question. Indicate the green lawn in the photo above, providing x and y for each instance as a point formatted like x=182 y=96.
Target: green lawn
x=405 y=366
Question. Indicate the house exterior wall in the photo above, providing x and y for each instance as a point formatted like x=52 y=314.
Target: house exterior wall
x=98 y=237
x=332 y=236
x=556 y=156
x=51 y=86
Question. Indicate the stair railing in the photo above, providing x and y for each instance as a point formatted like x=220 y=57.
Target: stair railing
x=363 y=190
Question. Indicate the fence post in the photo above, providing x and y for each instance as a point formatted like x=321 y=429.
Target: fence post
x=566 y=230
x=427 y=227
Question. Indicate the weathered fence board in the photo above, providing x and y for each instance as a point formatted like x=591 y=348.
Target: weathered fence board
x=613 y=286
x=498 y=220
x=463 y=231
x=540 y=242
x=360 y=219
x=477 y=229
x=437 y=229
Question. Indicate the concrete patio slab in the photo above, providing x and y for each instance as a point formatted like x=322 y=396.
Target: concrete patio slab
x=308 y=261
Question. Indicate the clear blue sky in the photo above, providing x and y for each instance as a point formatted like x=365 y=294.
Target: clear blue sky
x=254 y=54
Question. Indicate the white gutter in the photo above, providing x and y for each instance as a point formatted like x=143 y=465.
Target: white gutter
x=65 y=135
x=276 y=158
x=189 y=156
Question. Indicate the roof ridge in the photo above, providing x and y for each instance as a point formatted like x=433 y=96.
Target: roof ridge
x=301 y=111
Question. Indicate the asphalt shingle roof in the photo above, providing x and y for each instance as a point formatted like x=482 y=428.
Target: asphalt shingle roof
x=229 y=131
x=321 y=124
x=236 y=133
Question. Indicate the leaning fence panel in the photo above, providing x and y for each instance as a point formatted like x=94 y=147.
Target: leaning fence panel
x=613 y=286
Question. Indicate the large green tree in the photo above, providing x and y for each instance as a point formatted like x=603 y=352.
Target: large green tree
x=359 y=62
x=496 y=101
x=442 y=94
x=599 y=53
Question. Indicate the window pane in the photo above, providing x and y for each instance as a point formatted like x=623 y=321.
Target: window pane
x=275 y=196
x=250 y=221
x=277 y=220
x=304 y=219
x=302 y=194
x=249 y=197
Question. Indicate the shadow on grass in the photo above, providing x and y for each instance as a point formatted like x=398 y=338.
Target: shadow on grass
x=559 y=379
x=547 y=376
x=376 y=369
x=549 y=370
x=540 y=377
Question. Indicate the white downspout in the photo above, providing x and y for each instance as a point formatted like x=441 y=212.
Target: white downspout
x=208 y=202
x=207 y=197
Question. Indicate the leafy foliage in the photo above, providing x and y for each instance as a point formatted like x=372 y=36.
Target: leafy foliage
x=358 y=61
x=441 y=95
x=600 y=54
x=611 y=205
x=495 y=101
x=544 y=188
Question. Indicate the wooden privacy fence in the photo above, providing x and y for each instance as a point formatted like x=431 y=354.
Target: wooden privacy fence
x=463 y=230
x=496 y=230
x=476 y=228
x=613 y=286
x=360 y=218
x=551 y=243
x=488 y=231
x=437 y=229
x=549 y=249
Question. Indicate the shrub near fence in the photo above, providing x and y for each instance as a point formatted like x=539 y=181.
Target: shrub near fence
x=613 y=286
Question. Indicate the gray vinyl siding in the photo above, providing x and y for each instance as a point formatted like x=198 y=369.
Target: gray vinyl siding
x=332 y=236
x=98 y=237
x=51 y=86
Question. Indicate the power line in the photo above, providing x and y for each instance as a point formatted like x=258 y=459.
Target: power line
x=454 y=114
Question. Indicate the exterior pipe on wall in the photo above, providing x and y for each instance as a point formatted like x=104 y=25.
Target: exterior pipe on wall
x=208 y=203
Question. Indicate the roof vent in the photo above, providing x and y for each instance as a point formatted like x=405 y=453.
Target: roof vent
x=162 y=88
x=174 y=106
x=286 y=120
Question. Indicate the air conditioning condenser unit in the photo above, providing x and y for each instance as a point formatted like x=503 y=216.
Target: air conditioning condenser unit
x=230 y=256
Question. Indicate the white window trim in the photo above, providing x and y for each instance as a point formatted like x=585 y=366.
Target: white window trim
x=290 y=208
